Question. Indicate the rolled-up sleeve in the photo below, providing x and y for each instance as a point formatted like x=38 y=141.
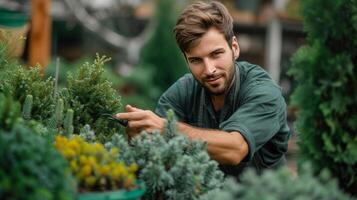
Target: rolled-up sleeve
x=258 y=117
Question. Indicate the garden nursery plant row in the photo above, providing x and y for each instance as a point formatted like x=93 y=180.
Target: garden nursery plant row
x=55 y=143
x=59 y=143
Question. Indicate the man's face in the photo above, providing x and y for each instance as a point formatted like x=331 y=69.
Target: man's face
x=212 y=61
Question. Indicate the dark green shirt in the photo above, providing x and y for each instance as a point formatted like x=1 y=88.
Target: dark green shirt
x=254 y=106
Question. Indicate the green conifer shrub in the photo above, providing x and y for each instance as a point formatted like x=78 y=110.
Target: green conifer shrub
x=90 y=95
x=6 y=62
x=171 y=166
x=325 y=71
x=20 y=81
x=280 y=184
x=161 y=52
x=10 y=112
x=30 y=168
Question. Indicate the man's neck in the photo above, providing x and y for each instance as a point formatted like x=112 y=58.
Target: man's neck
x=218 y=101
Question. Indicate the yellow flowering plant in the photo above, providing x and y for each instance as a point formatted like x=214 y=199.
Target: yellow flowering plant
x=95 y=168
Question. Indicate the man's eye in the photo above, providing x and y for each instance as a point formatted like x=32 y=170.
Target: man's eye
x=217 y=54
x=194 y=61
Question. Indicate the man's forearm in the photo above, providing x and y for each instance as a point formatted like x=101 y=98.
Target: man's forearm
x=224 y=147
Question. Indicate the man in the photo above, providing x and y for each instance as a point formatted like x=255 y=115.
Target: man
x=234 y=107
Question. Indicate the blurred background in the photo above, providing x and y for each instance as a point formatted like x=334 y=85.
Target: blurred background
x=137 y=35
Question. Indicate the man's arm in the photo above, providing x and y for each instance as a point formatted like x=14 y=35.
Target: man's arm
x=224 y=147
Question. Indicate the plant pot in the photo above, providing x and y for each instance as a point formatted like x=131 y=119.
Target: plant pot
x=13 y=19
x=14 y=26
x=114 y=195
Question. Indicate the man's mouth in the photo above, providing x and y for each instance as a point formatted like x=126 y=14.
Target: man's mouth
x=213 y=80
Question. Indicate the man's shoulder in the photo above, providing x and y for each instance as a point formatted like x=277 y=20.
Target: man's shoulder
x=186 y=82
x=255 y=80
x=182 y=87
x=249 y=70
x=186 y=79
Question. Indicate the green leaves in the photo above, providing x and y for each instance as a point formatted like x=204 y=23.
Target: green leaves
x=10 y=113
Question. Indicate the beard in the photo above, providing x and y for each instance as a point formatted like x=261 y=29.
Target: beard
x=222 y=88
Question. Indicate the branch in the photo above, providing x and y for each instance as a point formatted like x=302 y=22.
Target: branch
x=132 y=46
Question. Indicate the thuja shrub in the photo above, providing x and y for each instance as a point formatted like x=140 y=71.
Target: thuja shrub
x=21 y=81
x=171 y=166
x=90 y=95
x=325 y=71
x=160 y=53
x=30 y=167
x=280 y=184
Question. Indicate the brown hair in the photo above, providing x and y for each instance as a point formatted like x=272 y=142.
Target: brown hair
x=196 y=19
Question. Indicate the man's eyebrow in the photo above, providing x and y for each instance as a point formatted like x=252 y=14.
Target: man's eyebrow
x=219 y=49
x=192 y=57
x=214 y=51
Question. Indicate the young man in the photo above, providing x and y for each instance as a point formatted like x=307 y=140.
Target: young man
x=233 y=106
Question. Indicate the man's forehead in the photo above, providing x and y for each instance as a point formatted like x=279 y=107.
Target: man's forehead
x=208 y=43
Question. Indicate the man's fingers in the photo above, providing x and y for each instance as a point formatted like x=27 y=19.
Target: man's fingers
x=130 y=116
x=130 y=108
x=141 y=124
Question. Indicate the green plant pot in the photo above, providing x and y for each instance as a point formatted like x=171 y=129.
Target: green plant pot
x=114 y=195
x=14 y=26
x=13 y=19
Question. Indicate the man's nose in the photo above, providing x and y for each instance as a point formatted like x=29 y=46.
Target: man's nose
x=209 y=67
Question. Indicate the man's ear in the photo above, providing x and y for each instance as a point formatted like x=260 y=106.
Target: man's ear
x=235 y=47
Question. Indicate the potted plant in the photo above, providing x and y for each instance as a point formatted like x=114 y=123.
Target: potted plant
x=14 y=25
x=97 y=171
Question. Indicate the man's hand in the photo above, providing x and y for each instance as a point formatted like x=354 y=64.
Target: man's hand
x=139 y=120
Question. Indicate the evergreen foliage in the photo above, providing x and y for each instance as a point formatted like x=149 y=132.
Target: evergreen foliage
x=171 y=166
x=31 y=168
x=10 y=115
x=20 y=82
x=280 y=184
x=325 y=72
x=161 y=52
x=90 y=95
x=10 y=112
x=87 y=134
x=5 y=60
